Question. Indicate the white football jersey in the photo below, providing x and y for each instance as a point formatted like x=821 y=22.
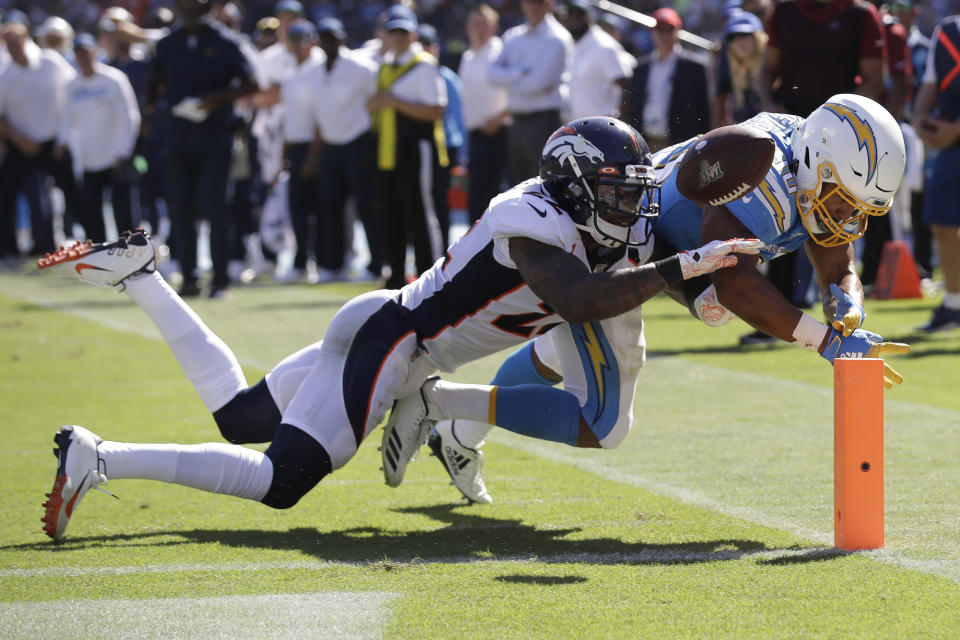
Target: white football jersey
x=473 y=302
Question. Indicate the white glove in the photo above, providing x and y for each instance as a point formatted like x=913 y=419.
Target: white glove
x=190 y=109
x=715 y=255
x=709 y=310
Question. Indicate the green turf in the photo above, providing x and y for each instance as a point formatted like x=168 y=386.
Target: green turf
x=712 y=520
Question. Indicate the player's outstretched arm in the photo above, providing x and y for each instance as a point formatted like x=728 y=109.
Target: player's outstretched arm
x=577 y=295
x=840 y=287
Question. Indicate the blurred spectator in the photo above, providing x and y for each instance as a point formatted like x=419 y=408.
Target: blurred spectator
x=275 y=64
x=938 y=123
x=898 y=80
x=738 y=81
x=32 y=90
x=56 y=34
x=408 y=110
x=453 y=130
x=816 y=49
x=484 y=110
x=299 y=146
x=907 y=12
x=346 y=80
x=533 y=65
x=265 y=33
x=202 y=70
x=667 y=99
x=613 y=25
x=598 y=71
x=102 y=119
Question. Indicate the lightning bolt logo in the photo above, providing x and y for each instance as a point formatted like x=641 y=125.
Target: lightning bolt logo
x=597 y=359
x=861 y=128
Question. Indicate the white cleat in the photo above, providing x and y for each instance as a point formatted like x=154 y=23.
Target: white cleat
x=465 y=465
x=106 y=264
x=78 y=471
x=405 y=432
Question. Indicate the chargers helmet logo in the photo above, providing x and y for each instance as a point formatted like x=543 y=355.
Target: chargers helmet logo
x=862 y=130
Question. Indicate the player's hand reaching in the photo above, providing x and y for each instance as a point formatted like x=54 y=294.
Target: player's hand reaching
x=718 y=254
x=864 y=344
x=849 y=315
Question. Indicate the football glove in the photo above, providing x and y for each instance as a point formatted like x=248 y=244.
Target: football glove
x=849 y=315
x=714 y=255
x=864 y=344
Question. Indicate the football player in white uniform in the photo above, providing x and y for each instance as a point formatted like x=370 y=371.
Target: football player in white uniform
x=539 y=257
x=831 y=173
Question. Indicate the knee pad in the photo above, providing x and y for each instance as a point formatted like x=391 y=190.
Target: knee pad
x=299 y=463
x=250 y=416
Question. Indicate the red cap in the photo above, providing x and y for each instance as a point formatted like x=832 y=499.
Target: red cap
x=666 y=15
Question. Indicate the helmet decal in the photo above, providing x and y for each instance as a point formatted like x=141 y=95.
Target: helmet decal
x=566 y=147
x=863 y=131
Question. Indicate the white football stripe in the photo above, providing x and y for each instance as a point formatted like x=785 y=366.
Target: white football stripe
x=293 y=616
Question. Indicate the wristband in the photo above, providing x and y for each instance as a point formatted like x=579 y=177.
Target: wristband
x=669 y=269
x=809 y=333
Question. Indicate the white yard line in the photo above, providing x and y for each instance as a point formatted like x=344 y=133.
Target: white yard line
x=353 y=616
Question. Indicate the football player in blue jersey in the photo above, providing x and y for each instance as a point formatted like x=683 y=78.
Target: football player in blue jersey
x=572 y=247
x=831 y=173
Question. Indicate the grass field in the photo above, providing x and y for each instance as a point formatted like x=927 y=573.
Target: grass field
x=713 y=519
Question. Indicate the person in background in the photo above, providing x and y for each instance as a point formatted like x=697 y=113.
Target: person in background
x=203 y=71
x=301 y=145
x=667 y=99
x=102 y=119
x=346 y=80
x=453 y=129
x=534 y=66
x=484 y=110
x=32 y=89
x=898 y=78
x=408 y=111
x=817 y=48
x=938 y=124
x=56 y=34
x=738 y=81
x=598 y=71
x=907 y=12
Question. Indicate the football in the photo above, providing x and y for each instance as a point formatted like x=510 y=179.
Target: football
x=725 y=164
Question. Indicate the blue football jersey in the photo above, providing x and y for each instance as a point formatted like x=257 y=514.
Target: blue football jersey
x=769 y=211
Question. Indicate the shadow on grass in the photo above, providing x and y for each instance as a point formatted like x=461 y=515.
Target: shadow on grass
x=540 y=580
x=811 y=555
x=466 y=537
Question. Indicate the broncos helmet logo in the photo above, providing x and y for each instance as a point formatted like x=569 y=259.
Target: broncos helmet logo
x=861 y=128
x=568 y=146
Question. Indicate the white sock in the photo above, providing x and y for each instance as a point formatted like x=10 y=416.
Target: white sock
x=215 y=467
x=471 y=433
x=460 y=401
x=209 y=364
x=951 y=301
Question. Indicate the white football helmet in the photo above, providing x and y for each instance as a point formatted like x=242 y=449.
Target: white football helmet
x=850 y=146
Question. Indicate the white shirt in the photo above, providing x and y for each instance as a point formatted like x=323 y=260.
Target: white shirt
x=656 y=111
x=31 y=97
x=297 y=95
x=597 y=65
x=340 y=113
x=276 y=64
x=101 y=117
x=423 y=84
x=534 y=65
x=481 y=99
